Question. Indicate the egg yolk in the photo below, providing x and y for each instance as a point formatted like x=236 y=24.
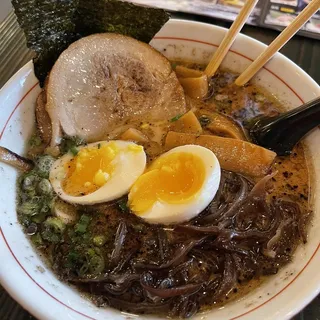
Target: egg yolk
x=90 y=169
x=176 y=178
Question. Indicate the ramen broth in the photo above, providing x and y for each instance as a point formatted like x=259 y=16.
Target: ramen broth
x=123 y=262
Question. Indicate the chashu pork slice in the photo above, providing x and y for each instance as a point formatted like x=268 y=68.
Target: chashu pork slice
x=104 y=81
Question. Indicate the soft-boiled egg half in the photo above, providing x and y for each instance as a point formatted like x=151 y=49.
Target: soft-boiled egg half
x=177 y=186
x=100 y=172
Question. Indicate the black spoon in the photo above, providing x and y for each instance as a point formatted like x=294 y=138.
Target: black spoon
x=280 y=134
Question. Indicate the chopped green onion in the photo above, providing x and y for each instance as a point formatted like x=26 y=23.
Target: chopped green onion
x=56 y=223
x=35 y=141
x=99 y=145
x=84 y=269
x=36 y=239
x=123 y=205
x=74 y=151
x=69 y=144
x=80 y=228
x=74 y=261
x=99 y=241
x=96 y=265
x=31 y=194
x=91 y=252
x=82 y=225
x=44 y=186
x=177 y=117
x=44 y=165
x=46 y=207
x=29 y=208
x=73 y=256
x=38 y=218
x=24 y=220
x=29 y=182
x=50 y=236
x=53 y=229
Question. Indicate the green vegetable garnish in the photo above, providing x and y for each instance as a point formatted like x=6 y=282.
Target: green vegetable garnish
x=71 y=144
x=85 y=261
x=35 y=140
x=63 y=22
x=99 y=241
x=123 y=205
x=44 y=187
x=30 y=208
x=99 y=145
x=80 y=228
x=82 y=225
x=36 y=239
x=74 y=260
x=43 y=165
x=56 y=224
x=53 y=229
x=29 y=182
x=96 y=265
x=74 y=151
x=24 y=220
x=91 y=253
x=73 y=256
x=35 y=192
x=50 y=236
x=38 y=218
x=177 y=117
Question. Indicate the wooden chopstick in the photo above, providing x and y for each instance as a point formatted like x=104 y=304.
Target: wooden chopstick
x=230 y=37
x=279 y=42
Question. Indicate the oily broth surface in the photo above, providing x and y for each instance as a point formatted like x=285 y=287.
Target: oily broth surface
x=245 y=103
x=292 y=180
x=241 y=104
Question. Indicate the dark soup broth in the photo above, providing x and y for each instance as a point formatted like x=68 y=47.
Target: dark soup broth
x=249 y=230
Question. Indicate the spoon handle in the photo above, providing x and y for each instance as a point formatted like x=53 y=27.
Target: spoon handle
x=281 y=133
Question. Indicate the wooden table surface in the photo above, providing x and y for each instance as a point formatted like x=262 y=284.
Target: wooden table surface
x=14 y=54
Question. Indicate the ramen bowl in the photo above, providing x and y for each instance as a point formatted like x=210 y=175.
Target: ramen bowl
x=32 y=284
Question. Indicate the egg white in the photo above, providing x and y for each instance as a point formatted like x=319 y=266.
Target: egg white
x=166 y=213
x=128 y=166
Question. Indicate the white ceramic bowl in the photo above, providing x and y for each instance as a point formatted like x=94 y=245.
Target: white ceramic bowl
x=28 y=280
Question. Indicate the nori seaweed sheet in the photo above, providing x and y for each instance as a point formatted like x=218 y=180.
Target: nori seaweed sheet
x=50 y=26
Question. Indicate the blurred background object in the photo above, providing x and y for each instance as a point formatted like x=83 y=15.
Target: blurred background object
x=271 y=14
x=5 y=8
